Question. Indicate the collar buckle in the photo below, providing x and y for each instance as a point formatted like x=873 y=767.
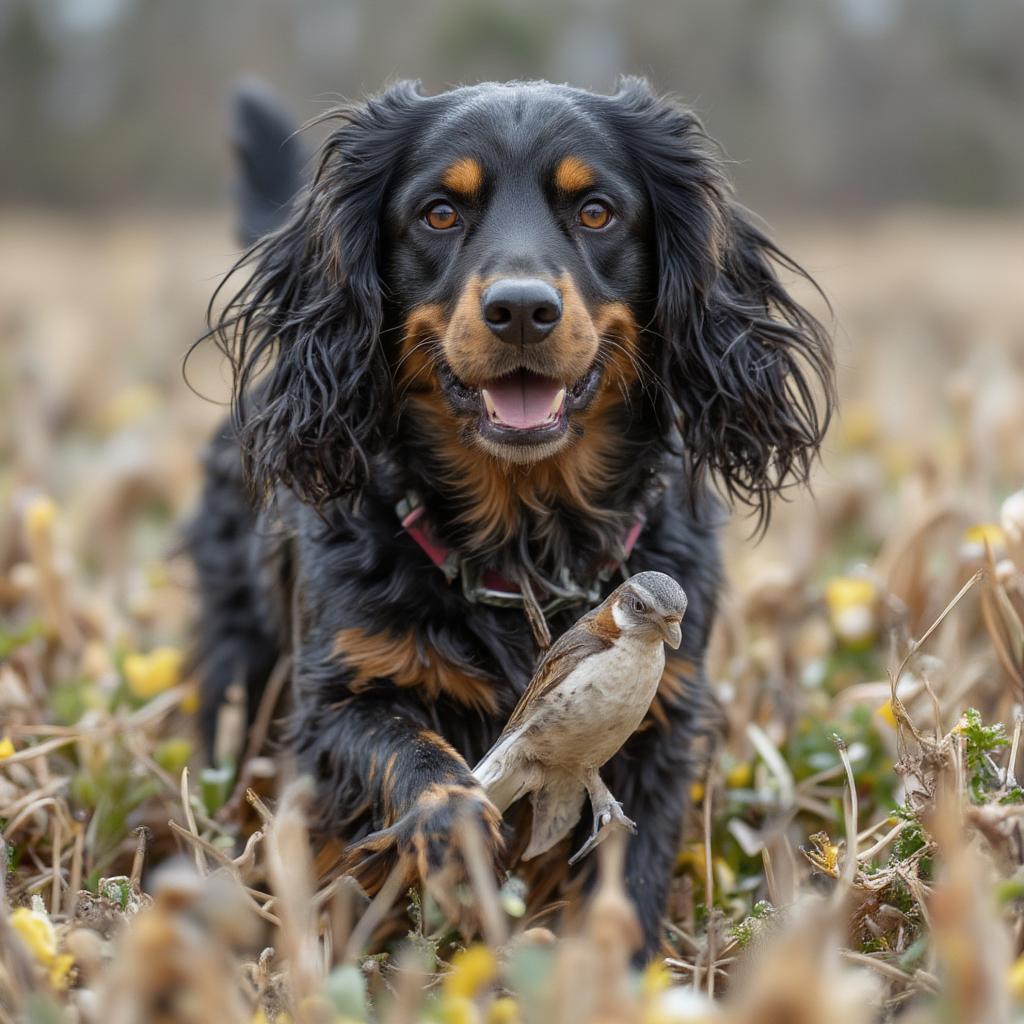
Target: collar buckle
x=485 y=586
x=482 y=585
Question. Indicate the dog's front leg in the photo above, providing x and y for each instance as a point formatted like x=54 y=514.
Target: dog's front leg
x=390 y=786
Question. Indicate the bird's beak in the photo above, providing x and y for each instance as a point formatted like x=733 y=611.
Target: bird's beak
x=672 y=631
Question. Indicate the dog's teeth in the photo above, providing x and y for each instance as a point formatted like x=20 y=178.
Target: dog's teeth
x=556 y=405
x=489 y=404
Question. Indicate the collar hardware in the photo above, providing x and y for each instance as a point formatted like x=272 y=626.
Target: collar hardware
x=485 y=585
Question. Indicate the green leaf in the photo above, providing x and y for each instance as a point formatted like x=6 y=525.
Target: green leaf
x=980 y=741
x=12 y=639
x=215 y=787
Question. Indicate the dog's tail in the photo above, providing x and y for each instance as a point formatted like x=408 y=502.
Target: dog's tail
x=270 y=159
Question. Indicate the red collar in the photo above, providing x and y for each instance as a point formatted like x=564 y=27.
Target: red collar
x=487 y=585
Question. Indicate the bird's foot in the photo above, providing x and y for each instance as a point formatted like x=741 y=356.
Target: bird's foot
x=606 y=818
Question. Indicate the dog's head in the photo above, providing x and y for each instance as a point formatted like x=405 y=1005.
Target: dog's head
x=507 y=262
x=517 y=244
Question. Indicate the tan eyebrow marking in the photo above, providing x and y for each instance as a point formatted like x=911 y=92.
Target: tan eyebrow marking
x=465 y=176
x=573 y=175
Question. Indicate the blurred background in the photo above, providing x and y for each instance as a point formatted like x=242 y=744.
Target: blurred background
x=826 y=106
x=882 y=140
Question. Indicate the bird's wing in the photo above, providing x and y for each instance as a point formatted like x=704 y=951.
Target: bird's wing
x=504 y=773
x=562 y=657
x=556 y=809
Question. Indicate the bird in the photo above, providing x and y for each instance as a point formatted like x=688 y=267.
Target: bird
x=588 y=695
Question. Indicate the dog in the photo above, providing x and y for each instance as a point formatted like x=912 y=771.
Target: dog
x=505 y=342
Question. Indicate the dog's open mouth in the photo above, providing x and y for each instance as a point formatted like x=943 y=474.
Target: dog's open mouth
x=524 y=401
x=522 y=407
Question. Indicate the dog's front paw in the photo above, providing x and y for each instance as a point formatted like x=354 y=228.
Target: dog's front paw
x=435 y=829
x=432 y=839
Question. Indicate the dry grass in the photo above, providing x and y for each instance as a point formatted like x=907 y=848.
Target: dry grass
x=858 y=850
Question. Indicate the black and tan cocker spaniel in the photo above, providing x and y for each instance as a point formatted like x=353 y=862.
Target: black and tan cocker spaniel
x=505 y=342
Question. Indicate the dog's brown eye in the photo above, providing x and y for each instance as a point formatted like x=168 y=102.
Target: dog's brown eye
x=595 y=215
x=441 y=216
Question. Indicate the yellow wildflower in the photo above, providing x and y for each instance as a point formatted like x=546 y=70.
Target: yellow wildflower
x=472 y=968
x=40 y=516
x=504 y=1010
x=886 y=714
x=825 y=855
x=172 y=754
x=691 y=857
x=740 y=775
x=190 y=700
x=844 y=592
x=977 y=539
x=851 y=604
x=6 y=747
x=35 y=930
x=60 y=970
x=655 y=979
x=150 y=674
x=696 y=792
x=1015 y=979
x=459 y=1010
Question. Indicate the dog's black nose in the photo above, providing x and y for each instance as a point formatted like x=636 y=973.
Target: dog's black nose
x=521 y=311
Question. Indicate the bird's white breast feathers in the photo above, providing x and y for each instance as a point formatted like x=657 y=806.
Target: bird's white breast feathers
x=580 y=723
x=599 y=705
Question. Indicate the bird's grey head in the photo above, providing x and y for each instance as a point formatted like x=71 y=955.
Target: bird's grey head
x=651 y=601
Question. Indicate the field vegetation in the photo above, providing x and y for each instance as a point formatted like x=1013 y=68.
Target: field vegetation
x=856 y=850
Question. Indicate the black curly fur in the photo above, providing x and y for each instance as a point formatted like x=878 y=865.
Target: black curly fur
x=735 y=389
x=742 y=360
x=309 y=318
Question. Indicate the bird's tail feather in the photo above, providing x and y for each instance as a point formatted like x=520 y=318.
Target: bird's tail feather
x=556 y=809
x=504 y=775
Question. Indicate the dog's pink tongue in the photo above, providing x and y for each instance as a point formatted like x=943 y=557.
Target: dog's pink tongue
x=523 y=400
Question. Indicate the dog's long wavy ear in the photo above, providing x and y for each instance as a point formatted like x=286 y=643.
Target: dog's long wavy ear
x=747 y=368
x=302 y=334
